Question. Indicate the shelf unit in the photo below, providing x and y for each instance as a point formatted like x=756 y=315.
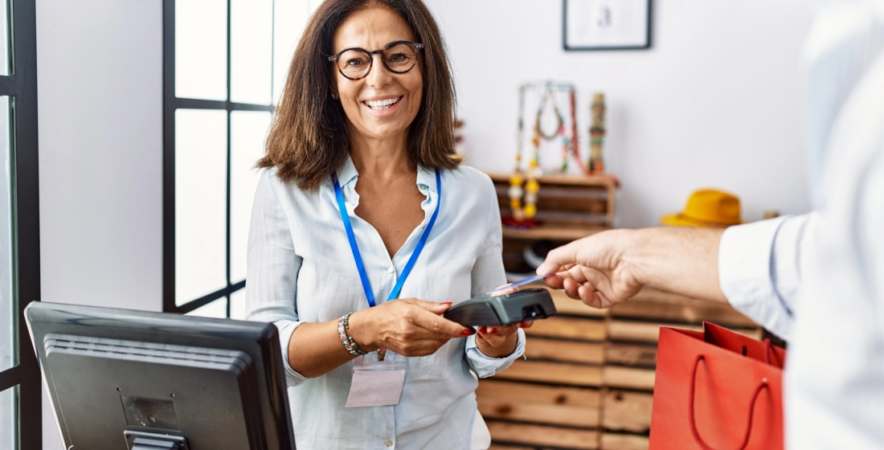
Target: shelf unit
x=568 y=207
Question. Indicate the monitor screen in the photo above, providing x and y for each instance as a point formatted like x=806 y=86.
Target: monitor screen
x=133 y=380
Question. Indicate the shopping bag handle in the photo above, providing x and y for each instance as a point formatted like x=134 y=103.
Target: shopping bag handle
x=696 y=433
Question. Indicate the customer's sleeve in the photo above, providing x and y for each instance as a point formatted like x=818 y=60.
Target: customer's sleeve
x=272 y=273
x=488 y=274
x=760 y=267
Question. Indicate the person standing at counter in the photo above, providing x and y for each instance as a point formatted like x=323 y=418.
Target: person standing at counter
x=816 y=280
x=362 y=210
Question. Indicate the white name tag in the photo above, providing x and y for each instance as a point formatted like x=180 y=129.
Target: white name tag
x=376 y=383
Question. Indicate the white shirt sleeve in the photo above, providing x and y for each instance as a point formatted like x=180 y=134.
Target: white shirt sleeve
x=272 y=271
x=488 y=274
x=760 y=267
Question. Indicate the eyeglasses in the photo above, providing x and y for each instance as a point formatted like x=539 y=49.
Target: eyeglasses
x=398 y=57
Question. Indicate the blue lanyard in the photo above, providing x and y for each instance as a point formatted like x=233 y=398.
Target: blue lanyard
x=366 y=285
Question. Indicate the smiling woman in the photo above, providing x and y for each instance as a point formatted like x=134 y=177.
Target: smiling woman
x=365 y=229
x=307 y=140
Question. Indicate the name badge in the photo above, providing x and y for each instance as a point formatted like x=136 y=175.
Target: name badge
x=376 y=383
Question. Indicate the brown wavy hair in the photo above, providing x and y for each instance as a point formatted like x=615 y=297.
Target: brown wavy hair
x=309 y=138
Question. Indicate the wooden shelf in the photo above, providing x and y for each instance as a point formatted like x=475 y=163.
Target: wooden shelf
x=574 y=180
x=553 y=233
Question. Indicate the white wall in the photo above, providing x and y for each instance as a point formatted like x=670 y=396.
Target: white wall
x=716 y=101
x=100 y=119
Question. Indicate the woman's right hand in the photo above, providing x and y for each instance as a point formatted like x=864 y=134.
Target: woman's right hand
x=409 y=327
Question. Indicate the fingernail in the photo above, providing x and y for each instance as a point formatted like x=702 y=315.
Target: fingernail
x=466 y=332
x=493 y=330
x=521 y=325
x=480 y=332
x=446 y=303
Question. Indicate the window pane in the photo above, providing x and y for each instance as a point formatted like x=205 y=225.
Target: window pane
x=250 y=50
x=238 y=305
x=7 y=417
x=200 y=203
x=216 y=309
x=4 y=37
x=290 y=18
x=248 y=129
x=201 y=49
x=7 y=303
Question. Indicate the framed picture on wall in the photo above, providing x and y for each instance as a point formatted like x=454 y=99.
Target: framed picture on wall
x=606 y=24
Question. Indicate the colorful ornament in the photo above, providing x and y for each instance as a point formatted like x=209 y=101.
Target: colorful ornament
x=597 y=134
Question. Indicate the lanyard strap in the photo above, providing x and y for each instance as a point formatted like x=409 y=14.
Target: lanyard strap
x=354 y=247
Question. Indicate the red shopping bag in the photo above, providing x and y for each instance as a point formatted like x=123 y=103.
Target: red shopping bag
x=717 y=390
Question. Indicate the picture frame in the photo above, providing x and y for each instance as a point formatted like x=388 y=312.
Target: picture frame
x=606 y=25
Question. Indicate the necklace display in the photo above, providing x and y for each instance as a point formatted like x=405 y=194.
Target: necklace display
x=568 y=141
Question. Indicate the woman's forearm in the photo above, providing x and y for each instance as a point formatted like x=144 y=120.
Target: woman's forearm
x=679 y=260
x=315 y=349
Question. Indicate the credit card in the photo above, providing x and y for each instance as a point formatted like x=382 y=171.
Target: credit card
x=528 y=280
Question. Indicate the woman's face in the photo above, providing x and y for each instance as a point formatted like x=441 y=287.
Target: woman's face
x=366 y=101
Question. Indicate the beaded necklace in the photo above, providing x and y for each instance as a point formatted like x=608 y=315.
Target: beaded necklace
x=568 y=140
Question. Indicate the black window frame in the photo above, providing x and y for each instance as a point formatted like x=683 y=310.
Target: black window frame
x=170 y=104
x=21 y=86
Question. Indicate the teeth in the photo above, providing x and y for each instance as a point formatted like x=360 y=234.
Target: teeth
x=382 y=104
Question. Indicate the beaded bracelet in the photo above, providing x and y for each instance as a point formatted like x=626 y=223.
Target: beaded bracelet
x=349 y=343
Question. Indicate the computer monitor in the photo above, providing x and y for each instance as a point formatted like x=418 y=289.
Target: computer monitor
x=135 y=380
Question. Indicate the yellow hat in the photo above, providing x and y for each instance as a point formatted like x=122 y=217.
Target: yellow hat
x=707 y=208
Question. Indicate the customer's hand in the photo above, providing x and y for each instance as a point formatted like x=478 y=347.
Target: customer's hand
x=409 y=327
x=593 y=269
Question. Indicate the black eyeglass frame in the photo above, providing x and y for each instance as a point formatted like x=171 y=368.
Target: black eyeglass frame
x=417 y=47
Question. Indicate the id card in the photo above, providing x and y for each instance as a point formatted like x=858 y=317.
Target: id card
x=376 y=383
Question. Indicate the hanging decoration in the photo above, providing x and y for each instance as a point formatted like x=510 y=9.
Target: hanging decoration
x=549 y=94
x=597 y=135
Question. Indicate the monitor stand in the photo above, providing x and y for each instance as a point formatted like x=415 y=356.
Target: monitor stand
x=139 y=440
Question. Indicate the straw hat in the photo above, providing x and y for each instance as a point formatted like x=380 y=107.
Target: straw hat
x=707 y=208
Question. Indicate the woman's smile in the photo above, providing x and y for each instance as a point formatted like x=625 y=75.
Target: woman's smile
x=382 y=106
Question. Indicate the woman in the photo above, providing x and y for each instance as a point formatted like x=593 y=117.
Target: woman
x=362 y=202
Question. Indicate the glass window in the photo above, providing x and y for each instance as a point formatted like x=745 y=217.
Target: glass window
x=7 y=304
x=248 y=129
x=200 y=203
x=290 y=17
x=251 y=50
x=7 y=417
x=201 y=49
x=4 y=38
x=238 y=305
x=216 y=309
x=214 y=166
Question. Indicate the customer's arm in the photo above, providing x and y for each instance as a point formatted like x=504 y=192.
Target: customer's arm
x=755 y=267
x=611 y=267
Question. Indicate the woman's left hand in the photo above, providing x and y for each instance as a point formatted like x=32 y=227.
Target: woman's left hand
x=498 y=341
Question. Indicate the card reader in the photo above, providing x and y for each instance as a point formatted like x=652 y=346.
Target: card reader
x=529 y=304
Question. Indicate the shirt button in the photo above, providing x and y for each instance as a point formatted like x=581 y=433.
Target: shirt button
x=391 y=270
x=389 y=443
